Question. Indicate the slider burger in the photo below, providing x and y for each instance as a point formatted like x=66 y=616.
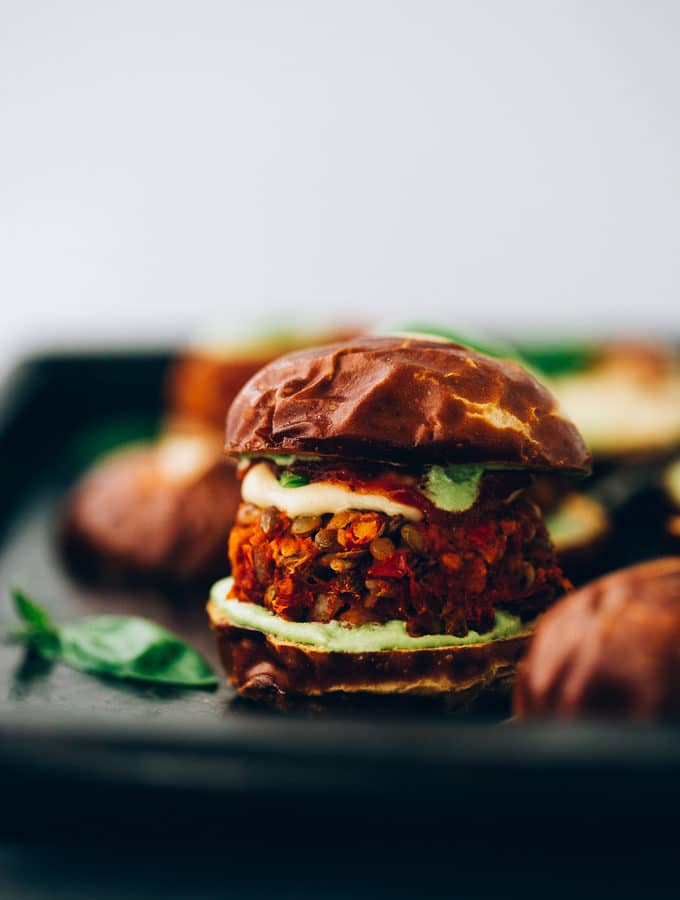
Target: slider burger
x=625 y=398
x=384 y=542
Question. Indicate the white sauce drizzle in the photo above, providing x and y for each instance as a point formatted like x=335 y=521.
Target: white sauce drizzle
x=261 y=488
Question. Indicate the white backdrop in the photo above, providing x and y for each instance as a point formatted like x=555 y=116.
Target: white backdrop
x=163 y=164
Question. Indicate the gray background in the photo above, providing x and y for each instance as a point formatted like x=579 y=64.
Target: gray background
x=508 y=164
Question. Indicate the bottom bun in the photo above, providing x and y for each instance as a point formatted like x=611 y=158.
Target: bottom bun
x=262 y=667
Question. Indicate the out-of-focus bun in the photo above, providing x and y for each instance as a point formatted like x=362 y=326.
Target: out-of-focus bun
x=160 y=511
x=610 y=649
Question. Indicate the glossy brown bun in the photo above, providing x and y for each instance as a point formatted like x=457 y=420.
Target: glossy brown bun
x=160 y=511
x=610 y=649
x=403 y=399
x=263 y=668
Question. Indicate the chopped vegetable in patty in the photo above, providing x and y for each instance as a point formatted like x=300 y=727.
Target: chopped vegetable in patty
x=445 y=574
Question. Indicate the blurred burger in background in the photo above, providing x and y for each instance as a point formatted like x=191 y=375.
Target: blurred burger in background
x=625 y=396
x=161 y=510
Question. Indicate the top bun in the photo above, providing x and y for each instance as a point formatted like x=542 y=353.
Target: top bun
x=402 y=400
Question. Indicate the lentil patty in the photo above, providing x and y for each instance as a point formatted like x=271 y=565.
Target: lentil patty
x=443 y=575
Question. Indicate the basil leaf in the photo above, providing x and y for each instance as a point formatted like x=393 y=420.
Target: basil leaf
x=130 y=647
x=40 y=633
x=125 y=647
x=291 y=480
x=44 y=643
x=33 y=615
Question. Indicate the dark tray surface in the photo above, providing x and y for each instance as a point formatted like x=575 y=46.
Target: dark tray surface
x=60 y=728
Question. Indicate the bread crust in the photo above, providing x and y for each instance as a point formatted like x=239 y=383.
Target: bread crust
x=402 y=399
x=609 y=649
x=261 y=667
x=126 y=520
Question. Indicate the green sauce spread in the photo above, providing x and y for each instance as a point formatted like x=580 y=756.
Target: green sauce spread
x=341 y=638
x=453 y=488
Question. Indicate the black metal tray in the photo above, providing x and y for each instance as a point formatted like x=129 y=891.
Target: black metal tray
x=91 y=754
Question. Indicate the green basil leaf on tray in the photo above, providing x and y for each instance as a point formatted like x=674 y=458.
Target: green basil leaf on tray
x=39 y=632
x=125 y=647
x=291 y=480
x=35 y=617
